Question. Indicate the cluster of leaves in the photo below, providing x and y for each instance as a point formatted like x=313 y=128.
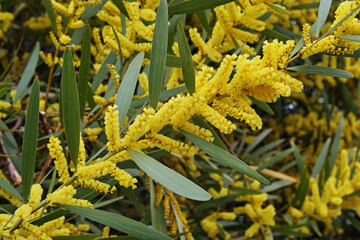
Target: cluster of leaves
x=302 y=137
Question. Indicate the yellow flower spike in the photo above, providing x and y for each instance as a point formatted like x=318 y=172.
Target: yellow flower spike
x=82 y=154
x=95 y=185
x=295 y=212
x=48 y=59
x=115 y=76
x=199 y=42
x=106 y=231
x=252 y=230
x=34 y=231
x=55 y=150
x=6 y=18
x=112 y=128
x=216 y=119
x=158 y=194
x=120 y=157
x=64 y=39
x=173 y=226
x=195 y=129
x=210 y=227
x=167 y=206
x=7 y=195
x=151 y=4
x=65 y=196
x=35 y=195
x=172 y=145
x=124 y=178
x=144 y=83
x=24 y=211
x=229 y=216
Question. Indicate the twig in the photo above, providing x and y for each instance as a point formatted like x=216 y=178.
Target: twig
x=228 y=145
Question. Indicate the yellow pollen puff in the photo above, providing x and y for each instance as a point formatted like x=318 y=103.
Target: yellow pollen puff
x=147 y=14
x=56 y=153
x=65 y=196
x=112 y=128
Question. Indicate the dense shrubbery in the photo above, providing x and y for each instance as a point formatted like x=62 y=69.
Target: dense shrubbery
x=119 y=115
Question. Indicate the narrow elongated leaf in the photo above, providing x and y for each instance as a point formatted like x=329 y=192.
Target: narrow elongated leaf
x=321 y=158
x=163 y=95
x=355 y=38
x=336 y=143
x=276 y=185
x=187 y=64
x=120 y=5
x=204 y=124
x=263 y=105
x=278 y=8
x=275 y=35
x=298 y=158
x=194 y=6
x=204 y=21
x=158 y=54
x=28 y=73
x=50 y=11
x=217 y=202
x=78 y=237
x=306 y=6
x=153 y=208
x=264 y=149
x=30 y=139
x=275 y=159
x=8 y=187
x=70 y=106
x=171 y=60
x=92 y=10
x=127 y=87
x=167 y=177
x=3 y=91
x=323 y=13
x=257 y=141
x=224 y=157
x=103 y=71
x=84 y=69
x=118 y=222
x=320 y=70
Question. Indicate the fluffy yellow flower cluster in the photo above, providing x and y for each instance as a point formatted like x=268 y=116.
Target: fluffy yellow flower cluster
x=32 y=210
x=330 y=43
x=5 y=20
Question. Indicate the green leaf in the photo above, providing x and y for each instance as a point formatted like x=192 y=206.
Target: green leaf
x=298 y=158
x=118 y=222
x=289 y=232
x=120 y=5
x=127 y=87
x=355 y=38
x=78 y=237
x=92 y=10
x=8 y=187
x=30 y=139
x=50 y=11
x=204 y=21
x=275 y=159
x=153 y=208
x=171 y=60
x=187 y=64
x=264 y=149
x=158 y=54
x=164 y=95
x=217 y=202
x=276 y=185
x=70 y=106
x=84 y=69
x=336 y=143
x=224 y=157
x=103 y=71
x=3 y=91
x=306 y=6
x=278 y=8
x=204 y=124
x=321 y=158
x=192 y=6
x=170 y=179
x=28 y=73
x=275 y=35
x=320 y=70
x=263 y=105
x=323 y=13
x=257 y=141
x=10 y=145
x=302 y=190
